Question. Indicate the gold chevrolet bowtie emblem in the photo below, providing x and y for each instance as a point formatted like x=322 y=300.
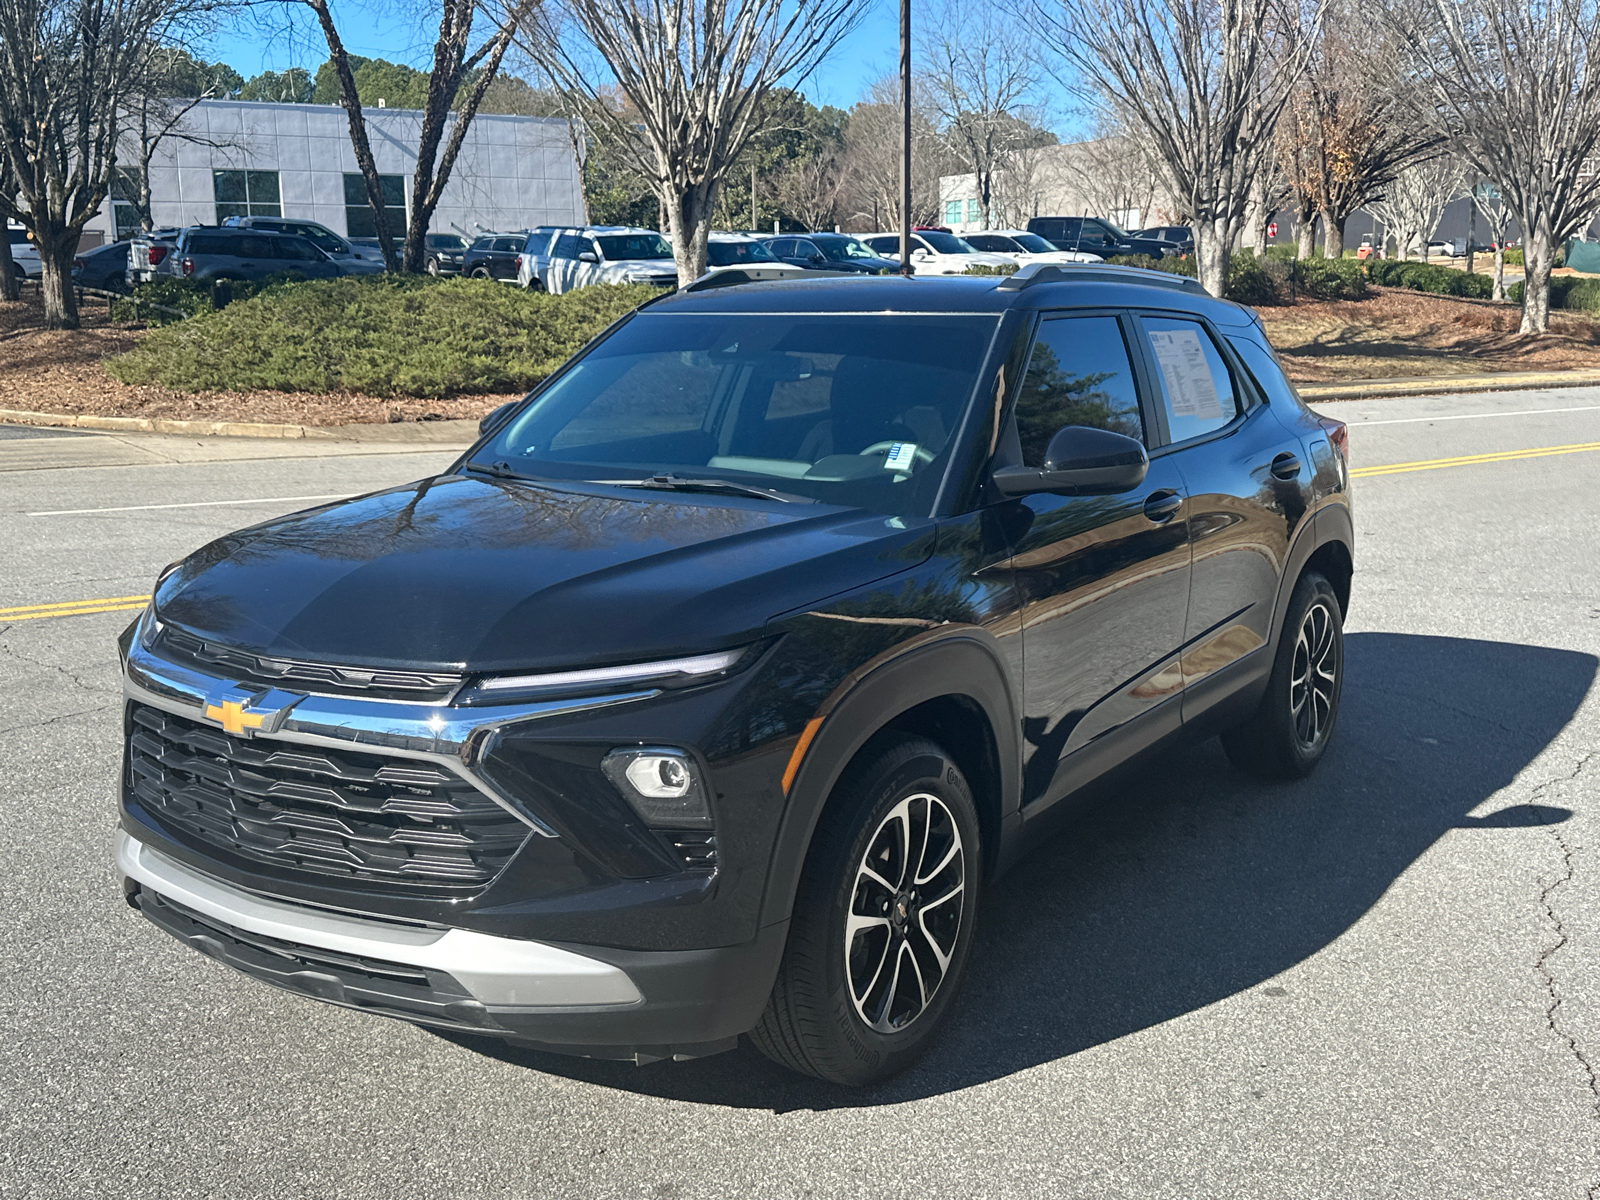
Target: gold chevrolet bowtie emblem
x=233 y=718
x=244 y=713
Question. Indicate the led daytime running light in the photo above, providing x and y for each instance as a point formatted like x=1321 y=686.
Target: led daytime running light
x=700 y=664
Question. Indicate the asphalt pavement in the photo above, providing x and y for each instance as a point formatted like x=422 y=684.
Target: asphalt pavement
x=1381 y=981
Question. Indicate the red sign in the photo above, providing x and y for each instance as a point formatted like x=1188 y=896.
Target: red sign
x=1272 y=229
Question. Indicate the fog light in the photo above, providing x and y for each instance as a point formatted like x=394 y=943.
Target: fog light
x=662 y=784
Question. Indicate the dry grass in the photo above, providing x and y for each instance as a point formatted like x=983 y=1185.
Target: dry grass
x=1401 y=333
x=60 y=371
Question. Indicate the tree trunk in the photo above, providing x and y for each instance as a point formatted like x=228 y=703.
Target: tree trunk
x=56 y=252
x=1499 y=271
x=1537 y=256
x=1305 y=235
x=10 y=289
x=688 y=213
x=1332 y=235
x=1211 y=256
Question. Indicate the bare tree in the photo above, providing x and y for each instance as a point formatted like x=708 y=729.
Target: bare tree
x=981 y=71
x=1498 y=218
x=10 y=286
x=67 y=71
x=871 y=159
x=158 y=115
x=695 y=73
x=1269 y=192
x=1414 y=202
x=1202 y=82
x=809 y=189
x=1111 y=170
x=1514 y=85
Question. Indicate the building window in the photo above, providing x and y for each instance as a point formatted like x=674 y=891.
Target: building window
x=124 y=191
x=245 y=194
x=973 y=210
x=358 y=213
x=952 y=212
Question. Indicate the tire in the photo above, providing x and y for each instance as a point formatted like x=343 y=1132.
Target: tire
x=834 y=1012
x=481 y=273
x=433 y=267
x=1289 y=733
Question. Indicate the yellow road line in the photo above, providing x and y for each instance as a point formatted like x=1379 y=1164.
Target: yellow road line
x=73 y=608
x=1467 y=460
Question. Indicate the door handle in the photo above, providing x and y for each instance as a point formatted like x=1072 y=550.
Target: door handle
x=1286 y=466
x=1162 y=506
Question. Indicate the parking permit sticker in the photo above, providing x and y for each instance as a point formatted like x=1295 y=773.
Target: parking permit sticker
x=901 y=456
x=1184 y=369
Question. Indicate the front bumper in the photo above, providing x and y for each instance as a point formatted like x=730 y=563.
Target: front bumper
x=584 y=1000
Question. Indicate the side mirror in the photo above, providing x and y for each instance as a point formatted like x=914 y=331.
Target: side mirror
x=493 y=419
x=1081 y=461
x=918 y=255
x=589 y=256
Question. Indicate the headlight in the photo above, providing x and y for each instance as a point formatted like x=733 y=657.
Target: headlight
x=666 y=673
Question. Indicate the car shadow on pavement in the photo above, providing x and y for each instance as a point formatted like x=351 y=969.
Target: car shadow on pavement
x=1187 y=883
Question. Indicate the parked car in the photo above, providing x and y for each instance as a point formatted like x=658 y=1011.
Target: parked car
x=1178 y=239
x=694 y=700
x=1094 y=235
x=743 y=251
x=149 y=254
x=493 y=256
x=1025 y=247
x=228 y=252
x=25 y=262
x=831 y=252
x=104 y=267
x=445 y=253
x=934 y=253
x=341 y=249
x=578 y=256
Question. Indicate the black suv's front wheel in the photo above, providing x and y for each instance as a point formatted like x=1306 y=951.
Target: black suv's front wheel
x=882 y=921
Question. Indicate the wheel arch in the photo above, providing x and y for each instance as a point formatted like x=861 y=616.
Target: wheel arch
x=954 y=689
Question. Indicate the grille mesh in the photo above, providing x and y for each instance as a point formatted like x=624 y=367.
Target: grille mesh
x=327 y=812
x=288 y=672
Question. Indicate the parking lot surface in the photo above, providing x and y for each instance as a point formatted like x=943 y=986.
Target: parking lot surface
x=1381 y=981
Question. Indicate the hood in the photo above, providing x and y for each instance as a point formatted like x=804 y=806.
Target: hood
x=1059 y=256
x=984 y=258
x=618 y=267
x=492 y=575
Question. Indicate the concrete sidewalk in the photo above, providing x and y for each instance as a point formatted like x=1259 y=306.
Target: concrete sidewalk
x=1437 y=385
x=422 y=433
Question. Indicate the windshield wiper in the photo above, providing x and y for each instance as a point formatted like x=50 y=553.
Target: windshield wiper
x=678 y=483
x=500 y=469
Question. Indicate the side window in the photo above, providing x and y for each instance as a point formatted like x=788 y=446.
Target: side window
x=1264 y=366
x=566 y=246
x=298 y=249
x=1079 y=374
x=782 y=248
x=507 y=245
x=589 y=246
x=804 y=249
x=1196 y=385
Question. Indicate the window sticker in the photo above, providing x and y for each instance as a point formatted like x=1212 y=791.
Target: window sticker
x=1190 y=386
x=901 y=456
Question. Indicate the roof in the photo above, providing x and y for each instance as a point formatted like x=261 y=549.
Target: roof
x=1073 y=286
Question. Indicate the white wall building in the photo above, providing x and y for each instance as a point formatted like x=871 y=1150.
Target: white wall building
x=295 y=160
x=1103 y=178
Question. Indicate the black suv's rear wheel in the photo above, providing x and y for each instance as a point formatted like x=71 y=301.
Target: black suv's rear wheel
x=1288 y=735
x=882 y=920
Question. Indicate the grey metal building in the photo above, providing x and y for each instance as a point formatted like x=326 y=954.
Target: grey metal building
x=295 y=160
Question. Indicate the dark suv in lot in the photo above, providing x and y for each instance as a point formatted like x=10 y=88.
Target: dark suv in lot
x=705 y=693
x=1095 y=236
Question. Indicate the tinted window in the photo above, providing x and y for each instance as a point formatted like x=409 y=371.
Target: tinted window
x=442 y=241
x=945 y=243
x=1263 y=364
x=482 y=243
x=1196 y=385
x=844 y=248
x=566 y=246
x=538 y=243
x=1079 y=374
x=507 y=245
x=889 y=246
x=209 y=243
x=618 y=246
x=992 y=242
x=782 y=248
x=850 y=409
x=298 y=249
x=729 y=254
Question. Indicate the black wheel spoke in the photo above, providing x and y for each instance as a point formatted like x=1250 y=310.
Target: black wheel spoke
x=1313 y=674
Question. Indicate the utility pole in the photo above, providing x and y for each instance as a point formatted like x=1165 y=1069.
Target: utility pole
x=752 y=196
x=905 y=137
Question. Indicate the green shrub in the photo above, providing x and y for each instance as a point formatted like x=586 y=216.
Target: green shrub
x=1566 y=291
x=1250 y=282
x=1425 y=277
x=1514 y=256
x=1329 y=278
x=986 y=269
x=169 y=298
x=379 y=335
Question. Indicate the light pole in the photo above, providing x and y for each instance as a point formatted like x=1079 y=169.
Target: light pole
x=905 y=137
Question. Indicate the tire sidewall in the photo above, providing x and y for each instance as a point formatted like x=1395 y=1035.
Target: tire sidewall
x=1311 y=588
x=863 y=1052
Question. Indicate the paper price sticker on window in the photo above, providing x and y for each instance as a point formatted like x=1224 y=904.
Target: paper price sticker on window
x=901 y=456
x=1190 y=386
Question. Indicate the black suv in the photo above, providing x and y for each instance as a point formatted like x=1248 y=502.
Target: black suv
x=494 y=256
x=706 y=692
x=1095 y=236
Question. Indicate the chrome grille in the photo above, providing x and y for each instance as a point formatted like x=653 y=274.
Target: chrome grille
x=248 y=667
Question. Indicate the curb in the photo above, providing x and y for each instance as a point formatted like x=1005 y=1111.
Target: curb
x=1437 y=385
x=445 y=432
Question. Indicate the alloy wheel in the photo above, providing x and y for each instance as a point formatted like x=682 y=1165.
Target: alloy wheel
x=1313 y=677
x=905 y=913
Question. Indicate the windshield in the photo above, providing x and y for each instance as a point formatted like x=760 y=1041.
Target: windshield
x=731 y=254
x=323 y=239
x=1115 y=230
x=1032 y=243
x=618 y=246
x=445 y=241
x=844 y=248
x=946 y=243
x=854 y=409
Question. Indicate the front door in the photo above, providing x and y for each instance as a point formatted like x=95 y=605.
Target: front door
x=1102 y=581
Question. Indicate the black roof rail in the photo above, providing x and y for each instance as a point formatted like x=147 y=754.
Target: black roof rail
x=1034 y=273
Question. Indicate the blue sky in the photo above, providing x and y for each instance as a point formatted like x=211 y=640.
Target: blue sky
x=402 y=31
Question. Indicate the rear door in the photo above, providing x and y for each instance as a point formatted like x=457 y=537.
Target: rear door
x=1103 y=581
x=1245 y=479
